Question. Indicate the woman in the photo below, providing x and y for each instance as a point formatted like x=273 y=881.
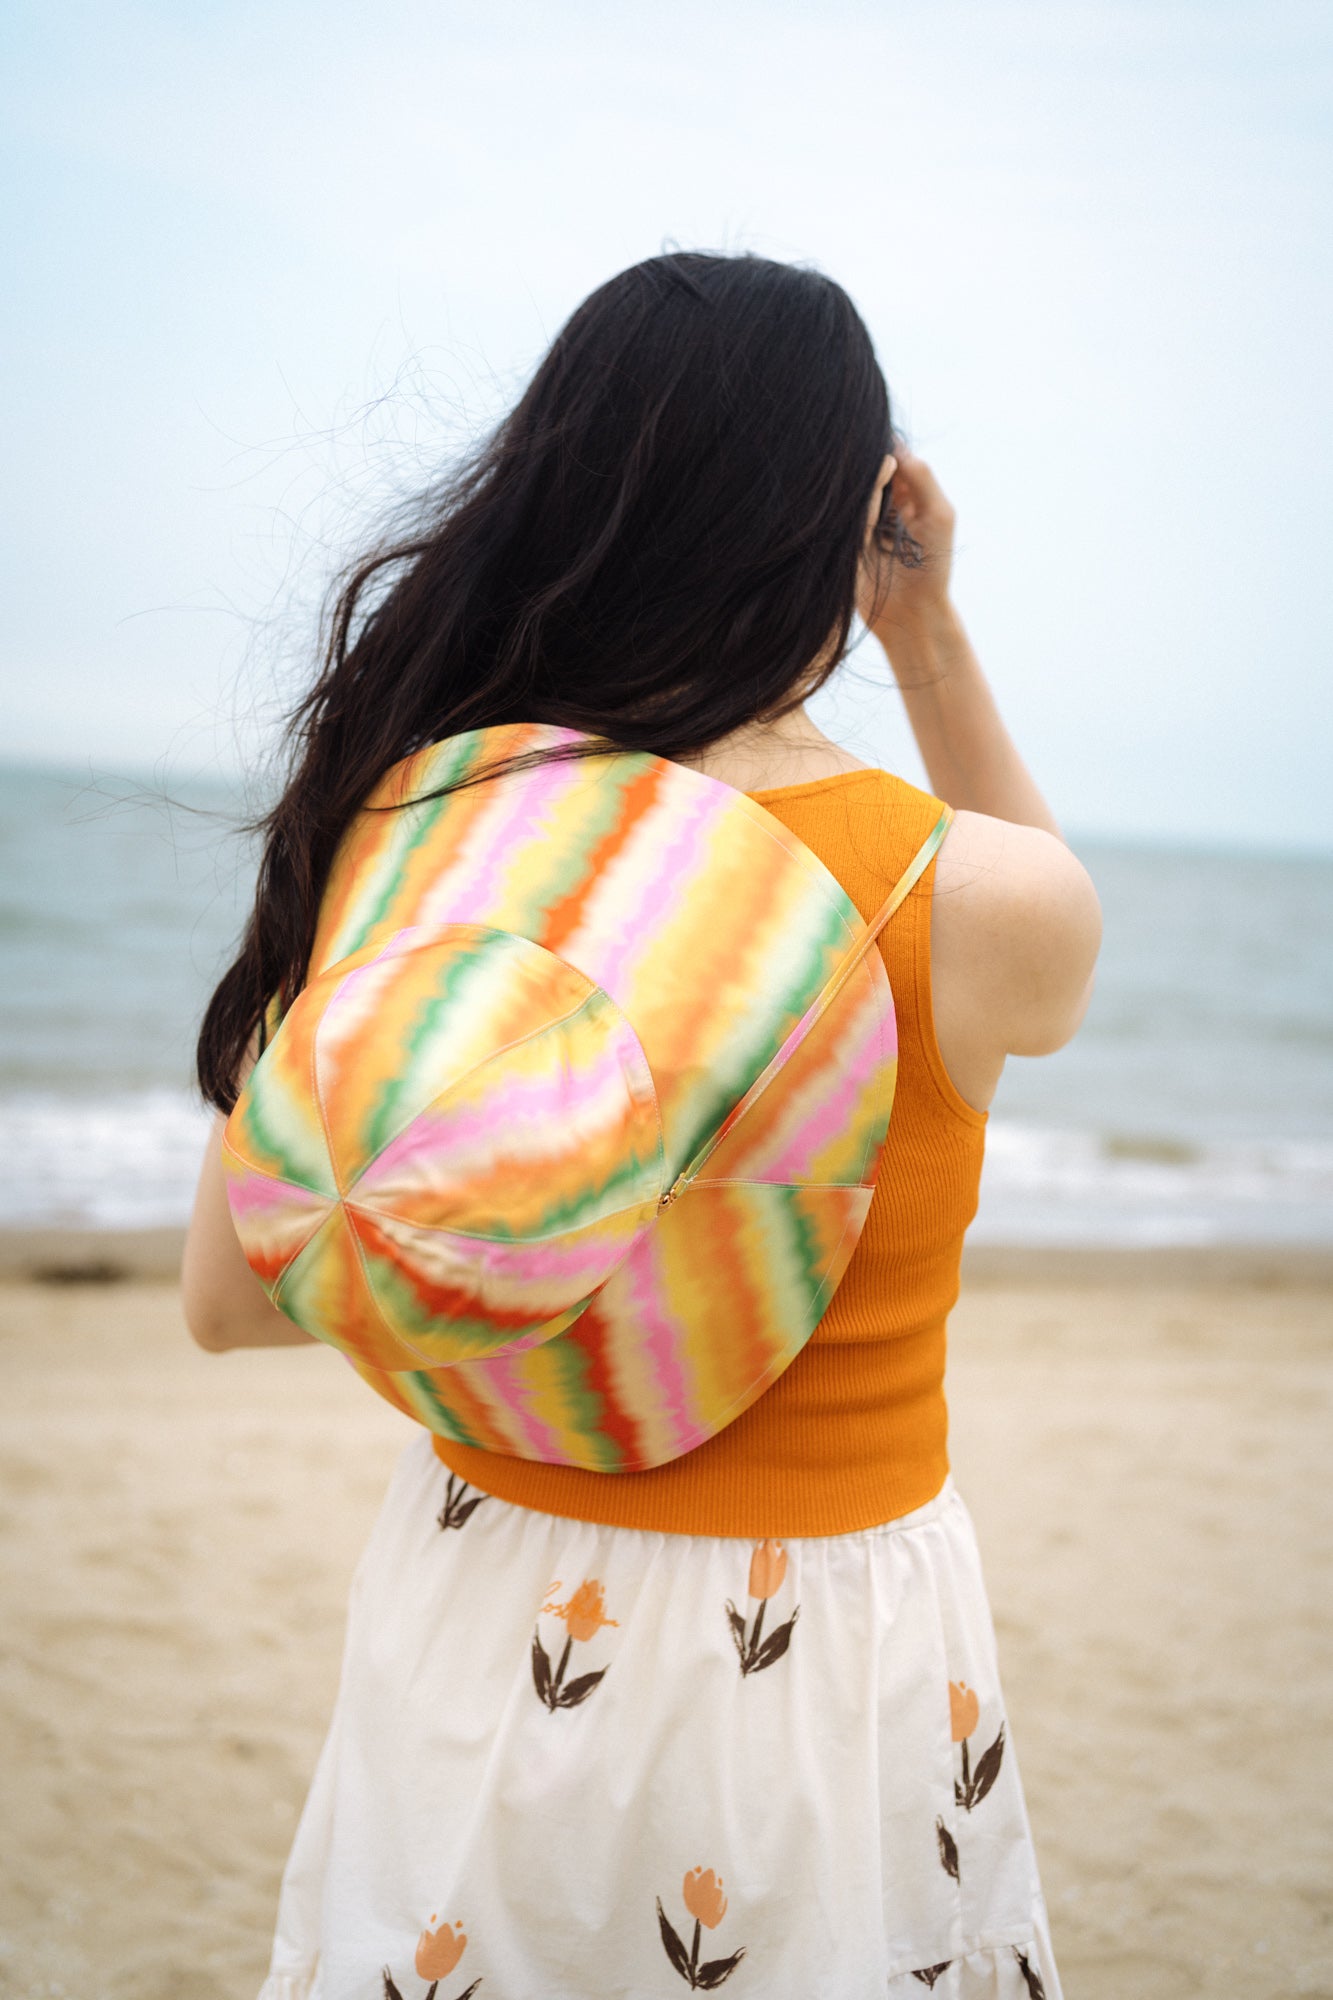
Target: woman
x=782 y=1762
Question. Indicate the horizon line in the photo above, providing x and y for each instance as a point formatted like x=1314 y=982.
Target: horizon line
x=90 y=771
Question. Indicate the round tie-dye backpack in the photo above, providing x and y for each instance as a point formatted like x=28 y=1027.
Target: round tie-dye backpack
x=569 y=1138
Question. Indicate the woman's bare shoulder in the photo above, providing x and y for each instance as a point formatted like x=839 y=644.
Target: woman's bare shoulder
x=1015 y=931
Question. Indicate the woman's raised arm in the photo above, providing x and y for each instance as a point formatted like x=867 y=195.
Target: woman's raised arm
x=1016 y=924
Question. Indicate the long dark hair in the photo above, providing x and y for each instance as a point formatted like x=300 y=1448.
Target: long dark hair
x=659 y=544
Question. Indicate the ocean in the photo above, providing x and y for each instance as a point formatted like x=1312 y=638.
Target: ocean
x=1195 y=1107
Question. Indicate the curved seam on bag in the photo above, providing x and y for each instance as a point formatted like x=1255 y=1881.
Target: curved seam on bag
x=342 y=1201
x=872 y=930
x=276 y=1180
x=743 y=1180
x=519 y=1041
x=649 y=1203
x=595 y=988
x=275 y=1296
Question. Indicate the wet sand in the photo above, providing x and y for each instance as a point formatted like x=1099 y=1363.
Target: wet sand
x=1144 y=1449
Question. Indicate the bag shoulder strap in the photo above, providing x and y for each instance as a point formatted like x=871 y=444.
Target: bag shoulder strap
x=846 y=966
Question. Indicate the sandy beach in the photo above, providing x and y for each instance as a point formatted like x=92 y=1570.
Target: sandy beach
x=177 y=1532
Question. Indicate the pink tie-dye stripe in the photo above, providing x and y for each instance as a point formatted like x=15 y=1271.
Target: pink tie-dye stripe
x=506 y=1387
x=501 y=841
x=253 y=1195
x=511 y=1105
x=659 y=1338
x=819 y=1129
x=662 y=887
x=550 y=1275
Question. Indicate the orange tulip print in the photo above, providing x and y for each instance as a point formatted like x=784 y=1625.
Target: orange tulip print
x=768 y=1573
x=964 y=1709
x=705 y=1902
x=768 y=1567
x=964 y=1715
x=583 y=1617
x=702 y=1891
x=585 y=1613
x=438 y=1952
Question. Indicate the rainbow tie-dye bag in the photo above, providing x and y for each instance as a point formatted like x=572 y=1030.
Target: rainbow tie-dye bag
x=569 y=1138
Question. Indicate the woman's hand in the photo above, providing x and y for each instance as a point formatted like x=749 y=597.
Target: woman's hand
x=893 y=598
x=967 y=751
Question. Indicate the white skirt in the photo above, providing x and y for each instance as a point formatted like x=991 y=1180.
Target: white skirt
x=573 y=1762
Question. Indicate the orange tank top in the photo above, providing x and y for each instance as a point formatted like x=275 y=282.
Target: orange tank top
x=855 y=1431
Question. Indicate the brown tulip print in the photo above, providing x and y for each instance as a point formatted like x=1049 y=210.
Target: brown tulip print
x=948 y=1848
x=459 y=1505
x=702 y=1895
x=583 y=1616
x=928 y=1974
x=438 y=1952
x=964 y=1714
x=1032 y=1979
x=768 y=1571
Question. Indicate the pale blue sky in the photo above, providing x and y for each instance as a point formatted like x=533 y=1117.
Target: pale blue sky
x=1091 y=242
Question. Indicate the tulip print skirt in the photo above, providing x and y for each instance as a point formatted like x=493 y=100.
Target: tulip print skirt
x=573 y=1762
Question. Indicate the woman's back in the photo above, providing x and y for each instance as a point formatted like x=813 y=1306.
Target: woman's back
x=854 y=1431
